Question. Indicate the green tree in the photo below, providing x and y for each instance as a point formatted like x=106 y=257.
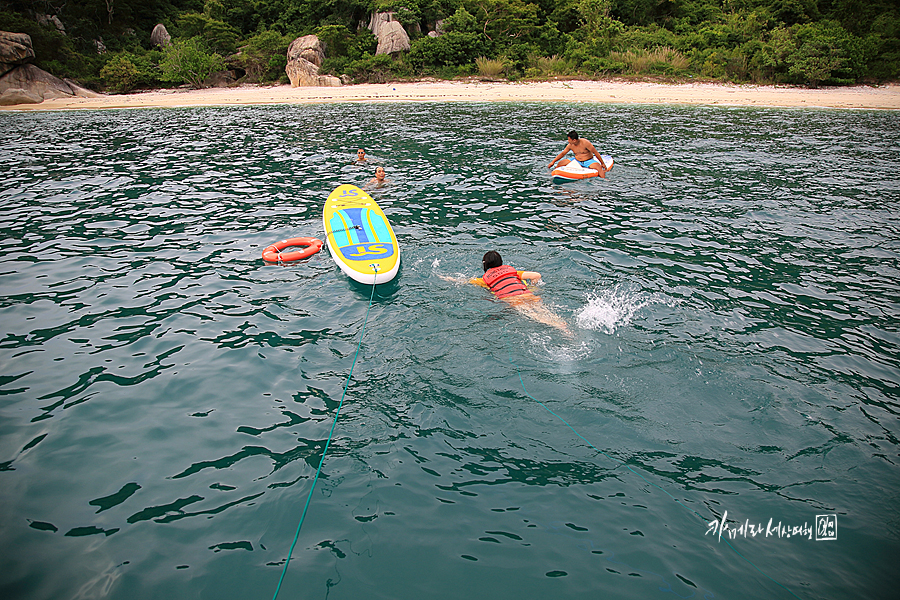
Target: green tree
x=792 y=12
x=263 y=56
x=336 y=39
x=453 y=49
x=187 y=61
x=823 y=51
x=597 y=33
x=461 y=21
x=218 y=35
x=505 y=21
x=363 y=42
x=120 y=73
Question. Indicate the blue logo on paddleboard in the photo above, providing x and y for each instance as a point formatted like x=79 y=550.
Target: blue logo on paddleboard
x=361 y=234
x=367 y=251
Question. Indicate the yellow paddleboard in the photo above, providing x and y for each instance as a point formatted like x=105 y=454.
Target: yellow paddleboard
x=359 y=236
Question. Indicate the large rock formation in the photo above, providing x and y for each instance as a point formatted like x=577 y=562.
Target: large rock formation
x=159 y=36
x=304 y=57
x=15 y=49
x=377 y=20
x=22 y=82
x=42 y=84
x=391 y=35
x=392 y=38
x=438 y=30
x=309 y=47
x=51 y=21
x=14 y=96
x=221 y=78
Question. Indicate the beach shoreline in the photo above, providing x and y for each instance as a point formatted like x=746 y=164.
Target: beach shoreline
x=886 y=97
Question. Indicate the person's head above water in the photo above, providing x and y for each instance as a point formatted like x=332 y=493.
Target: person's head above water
x=573 y=135
x=491 y=259
x=361 y=154
x=379 y=173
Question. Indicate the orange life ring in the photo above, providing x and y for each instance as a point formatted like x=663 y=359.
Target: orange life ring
x=273 y=252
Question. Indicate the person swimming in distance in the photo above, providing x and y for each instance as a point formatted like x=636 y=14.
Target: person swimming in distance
x=508 y=284
x=361 y=156
x=585 y=154
x=379 y=179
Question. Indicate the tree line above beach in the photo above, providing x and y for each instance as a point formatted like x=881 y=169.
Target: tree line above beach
x=105 y=44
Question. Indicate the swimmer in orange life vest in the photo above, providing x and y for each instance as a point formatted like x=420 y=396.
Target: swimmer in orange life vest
x=507 y=284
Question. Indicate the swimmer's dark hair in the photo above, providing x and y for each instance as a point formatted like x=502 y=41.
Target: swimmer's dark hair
x=491 y=259
x=573 y=135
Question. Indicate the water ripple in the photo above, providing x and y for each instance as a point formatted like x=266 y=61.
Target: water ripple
x=733 y=288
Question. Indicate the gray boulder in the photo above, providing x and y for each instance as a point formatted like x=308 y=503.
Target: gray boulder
x=221 y=79
x=40 y=84
x=391 y=37
x=309 y=48
x=23 y=83
x=377 y=21
x=51 y=21
x=15 y=49
x=304 y=57
x=302 y=73
x=160 y=37
x=329 y=81
x=14 y=96
x=438 y=30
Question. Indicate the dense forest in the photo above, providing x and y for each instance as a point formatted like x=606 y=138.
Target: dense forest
x=105 y=44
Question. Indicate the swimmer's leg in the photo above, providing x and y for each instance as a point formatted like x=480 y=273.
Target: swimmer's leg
x=536 y=310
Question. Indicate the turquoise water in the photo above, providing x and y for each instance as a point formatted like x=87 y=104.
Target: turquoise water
x=166 y=396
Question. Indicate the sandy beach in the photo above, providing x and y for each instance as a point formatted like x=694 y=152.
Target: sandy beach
x=860 y=97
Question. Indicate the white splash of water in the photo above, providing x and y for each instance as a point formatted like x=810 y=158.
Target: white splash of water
x=610 y=309
x=457 y=278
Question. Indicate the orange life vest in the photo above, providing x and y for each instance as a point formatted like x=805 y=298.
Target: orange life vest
x=504 y=281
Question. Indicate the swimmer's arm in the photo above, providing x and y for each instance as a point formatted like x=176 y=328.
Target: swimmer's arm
x=559 y=156
x=461 y=279
x=531 y=275
x=597 y=154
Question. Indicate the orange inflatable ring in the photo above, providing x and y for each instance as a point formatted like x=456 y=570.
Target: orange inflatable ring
x=273 y=252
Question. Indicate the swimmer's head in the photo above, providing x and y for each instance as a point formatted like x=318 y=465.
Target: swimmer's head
x=573 y=135
x=491 y=259
x=379 y=173
x=361 y=154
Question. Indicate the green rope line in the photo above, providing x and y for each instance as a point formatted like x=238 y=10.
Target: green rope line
x=328 y=442
x=627 y=466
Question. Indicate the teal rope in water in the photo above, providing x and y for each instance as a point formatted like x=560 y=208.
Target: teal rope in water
x=327 y=443
x=627 y=466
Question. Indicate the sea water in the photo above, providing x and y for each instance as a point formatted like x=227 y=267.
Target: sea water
x=723 y=423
